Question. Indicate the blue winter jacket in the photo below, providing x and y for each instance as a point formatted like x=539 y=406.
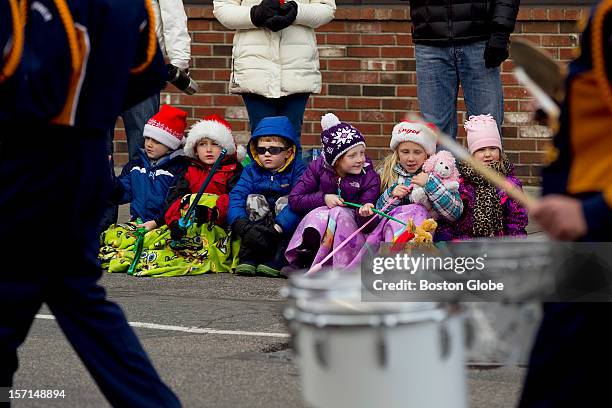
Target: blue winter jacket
x=257 y=180
x=145 y=186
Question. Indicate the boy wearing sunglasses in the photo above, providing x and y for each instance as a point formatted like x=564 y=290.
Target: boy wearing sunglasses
x=258 y=212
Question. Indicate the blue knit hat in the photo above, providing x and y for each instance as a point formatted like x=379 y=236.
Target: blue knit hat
x=338 y=138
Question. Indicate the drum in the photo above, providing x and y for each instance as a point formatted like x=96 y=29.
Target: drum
x=357 y=354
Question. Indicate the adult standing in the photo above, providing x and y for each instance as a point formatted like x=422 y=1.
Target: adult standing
x=275 y=61
x=63 y=80
x=461 y=42
x=573 y=343
x=175 y=43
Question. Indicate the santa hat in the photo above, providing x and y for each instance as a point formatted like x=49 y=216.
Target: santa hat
x=422 y=134
x=338 y=138
x=482 y=131
x=215 y=128
x=167 y=127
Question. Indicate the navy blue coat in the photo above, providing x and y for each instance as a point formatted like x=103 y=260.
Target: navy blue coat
x=145 y=185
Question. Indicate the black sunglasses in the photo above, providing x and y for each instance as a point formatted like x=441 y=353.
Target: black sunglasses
x=274 y=150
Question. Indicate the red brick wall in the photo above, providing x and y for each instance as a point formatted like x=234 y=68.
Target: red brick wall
x=367 y=61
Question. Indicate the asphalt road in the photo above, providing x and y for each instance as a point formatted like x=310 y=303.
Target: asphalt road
x=246 y=365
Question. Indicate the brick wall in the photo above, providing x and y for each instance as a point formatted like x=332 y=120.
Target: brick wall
x=368 y=67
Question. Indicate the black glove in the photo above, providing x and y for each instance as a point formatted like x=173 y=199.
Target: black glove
x=263 y=11
x=176 y=231
x=286 y=17
x=205 y=214
x=261 y=238
x=497 y=50
x=266 y=234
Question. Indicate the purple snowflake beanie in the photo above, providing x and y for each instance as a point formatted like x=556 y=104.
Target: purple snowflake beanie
x=338 y=138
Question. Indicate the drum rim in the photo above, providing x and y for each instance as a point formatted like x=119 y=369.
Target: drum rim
x=383 y=320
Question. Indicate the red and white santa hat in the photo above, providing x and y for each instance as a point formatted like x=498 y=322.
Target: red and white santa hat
x=167 y=127
x=416 y=132
x=215 y=128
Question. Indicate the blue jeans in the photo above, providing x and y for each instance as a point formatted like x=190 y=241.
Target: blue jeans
x=440 y=70
x=291 y=106
x=59 y=199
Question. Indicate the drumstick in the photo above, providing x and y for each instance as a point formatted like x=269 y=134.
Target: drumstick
x=494 y=177
x=316 y=267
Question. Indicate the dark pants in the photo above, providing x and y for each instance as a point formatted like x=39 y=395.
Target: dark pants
x=134 y=121
x=274 y=257
x=51 y=207
x=111 y=212
x=570 y=358
x=291 y=106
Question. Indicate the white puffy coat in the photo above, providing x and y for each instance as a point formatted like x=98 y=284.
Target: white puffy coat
x=172 y=33
x=275 y=64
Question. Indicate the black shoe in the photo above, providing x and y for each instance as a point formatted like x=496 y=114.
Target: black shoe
x=304 y=257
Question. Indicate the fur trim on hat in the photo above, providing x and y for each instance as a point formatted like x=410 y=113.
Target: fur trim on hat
x=240 y=152
x=214 y=128
x=163 y=136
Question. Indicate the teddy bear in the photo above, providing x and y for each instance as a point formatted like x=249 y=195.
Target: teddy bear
x=416 y=235
x=424 y=233
x=441 y=164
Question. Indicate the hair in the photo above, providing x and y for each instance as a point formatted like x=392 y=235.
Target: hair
x=286 y=142
x=385 y=169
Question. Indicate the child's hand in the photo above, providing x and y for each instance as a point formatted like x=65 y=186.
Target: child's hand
x=332 y=200
x=420 y=179
x=149 y=225
x=366 y=210
x=400 y=191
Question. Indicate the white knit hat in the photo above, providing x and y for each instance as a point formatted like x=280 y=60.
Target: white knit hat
x=419 y=133
x=213 y=127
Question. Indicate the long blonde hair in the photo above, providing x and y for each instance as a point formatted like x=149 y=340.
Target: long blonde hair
x=387 y=175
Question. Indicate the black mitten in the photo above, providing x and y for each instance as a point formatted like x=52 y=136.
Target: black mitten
x=288 y=13
x=497 y=49
x=264 y=11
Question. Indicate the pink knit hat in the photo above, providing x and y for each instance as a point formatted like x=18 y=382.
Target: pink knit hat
x=482 y=132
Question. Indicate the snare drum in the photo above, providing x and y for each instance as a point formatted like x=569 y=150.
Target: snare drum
x=357 y=354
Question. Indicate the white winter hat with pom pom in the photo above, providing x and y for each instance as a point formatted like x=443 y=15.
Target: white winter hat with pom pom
x=338 y=138
x=215 y=128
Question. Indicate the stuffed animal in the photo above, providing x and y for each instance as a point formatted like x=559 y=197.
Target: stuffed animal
x=415 y=235
x=441 y=164
x=424 y=232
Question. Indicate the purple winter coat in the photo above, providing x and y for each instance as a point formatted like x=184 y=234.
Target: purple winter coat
x=320 y=179
x=515 y=215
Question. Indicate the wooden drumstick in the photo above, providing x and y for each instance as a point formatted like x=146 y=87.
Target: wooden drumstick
x=494 y=177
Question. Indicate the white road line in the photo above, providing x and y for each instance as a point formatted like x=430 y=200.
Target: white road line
x=197 y=330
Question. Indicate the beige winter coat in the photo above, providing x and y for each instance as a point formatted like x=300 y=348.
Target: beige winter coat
x=172 y=32
x=275 y=64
